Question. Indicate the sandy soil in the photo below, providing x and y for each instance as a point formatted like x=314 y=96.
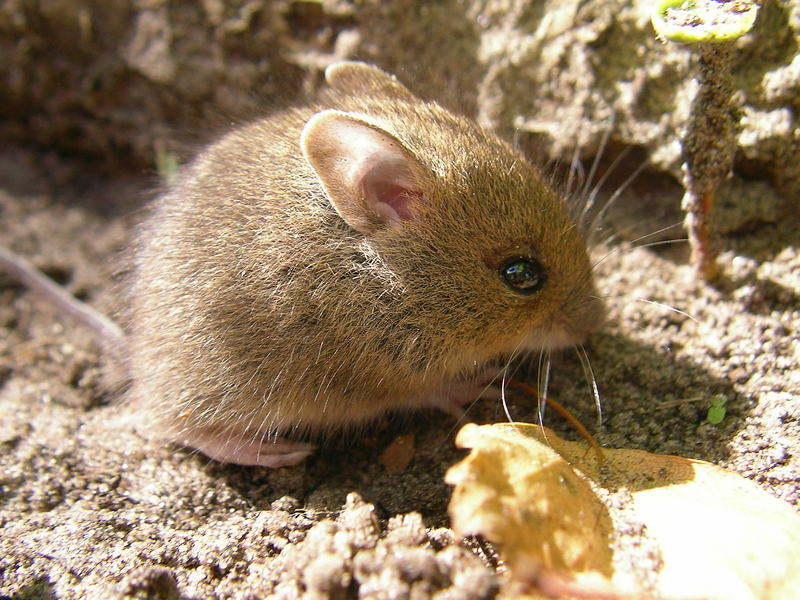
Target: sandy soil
x=88 y=508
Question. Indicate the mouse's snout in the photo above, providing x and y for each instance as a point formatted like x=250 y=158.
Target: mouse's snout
x=583 y=317
x=569 y=326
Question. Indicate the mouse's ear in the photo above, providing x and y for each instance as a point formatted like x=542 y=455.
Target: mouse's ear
x=370 y=178
x=359 y=78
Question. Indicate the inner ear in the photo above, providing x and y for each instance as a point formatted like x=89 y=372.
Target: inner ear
x=372 y=180
x=392 y=201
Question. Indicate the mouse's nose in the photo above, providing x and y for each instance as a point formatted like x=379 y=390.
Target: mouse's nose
x=584 y=316
x=570 y=325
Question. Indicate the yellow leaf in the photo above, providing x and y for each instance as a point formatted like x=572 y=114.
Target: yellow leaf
x=719 y=535
x=518 y=492
x=722 y=537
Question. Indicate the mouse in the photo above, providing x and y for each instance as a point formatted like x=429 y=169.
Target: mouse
x=314 y=269
x=319 y=267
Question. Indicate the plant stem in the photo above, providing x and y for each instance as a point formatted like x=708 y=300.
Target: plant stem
x=708 y=150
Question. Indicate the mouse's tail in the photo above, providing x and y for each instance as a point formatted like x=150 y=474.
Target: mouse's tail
x=25 y=273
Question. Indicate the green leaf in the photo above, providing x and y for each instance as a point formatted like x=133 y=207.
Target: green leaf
x=693 y=21
x=715 y=415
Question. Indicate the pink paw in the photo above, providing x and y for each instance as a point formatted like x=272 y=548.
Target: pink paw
x=452 y=397
x=248 y=450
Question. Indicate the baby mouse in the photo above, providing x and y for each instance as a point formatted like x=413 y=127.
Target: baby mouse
x=316 y=268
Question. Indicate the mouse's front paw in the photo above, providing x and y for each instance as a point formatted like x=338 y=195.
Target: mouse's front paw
x=452 y=397
x=247 y=448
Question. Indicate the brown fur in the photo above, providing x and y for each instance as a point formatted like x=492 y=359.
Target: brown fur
x=256 y=310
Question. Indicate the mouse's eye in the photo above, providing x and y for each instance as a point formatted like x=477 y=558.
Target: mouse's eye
x=522 y=274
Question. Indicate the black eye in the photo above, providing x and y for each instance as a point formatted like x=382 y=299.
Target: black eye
x=523 y=275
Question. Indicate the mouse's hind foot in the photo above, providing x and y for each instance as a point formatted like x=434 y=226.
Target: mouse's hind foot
x=247 y=449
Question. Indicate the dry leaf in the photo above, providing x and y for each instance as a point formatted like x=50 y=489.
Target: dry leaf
x=720 y=536
x=398 y=454
x=518 y=492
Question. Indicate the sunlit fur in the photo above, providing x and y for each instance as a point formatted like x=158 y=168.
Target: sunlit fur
x=257 y=311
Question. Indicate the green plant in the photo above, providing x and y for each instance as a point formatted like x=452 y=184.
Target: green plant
x=716 y=412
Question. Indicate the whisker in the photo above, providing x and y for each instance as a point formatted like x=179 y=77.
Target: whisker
x=502 y=375
x=574 y=167
x=589 y=203
x=541 y=391
x=517 y=365
x=589 y=373
x=584 y=193
x=619 y=237
x=504 y=383
x=504 y=398
x=543 y=381
x=620 y=249
x=662 y=243
x=668 y=307
x=623 y=249
x=505 y=377
x=571 y=419
x=656 y=232
x=615 y=196
x=515 y=137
